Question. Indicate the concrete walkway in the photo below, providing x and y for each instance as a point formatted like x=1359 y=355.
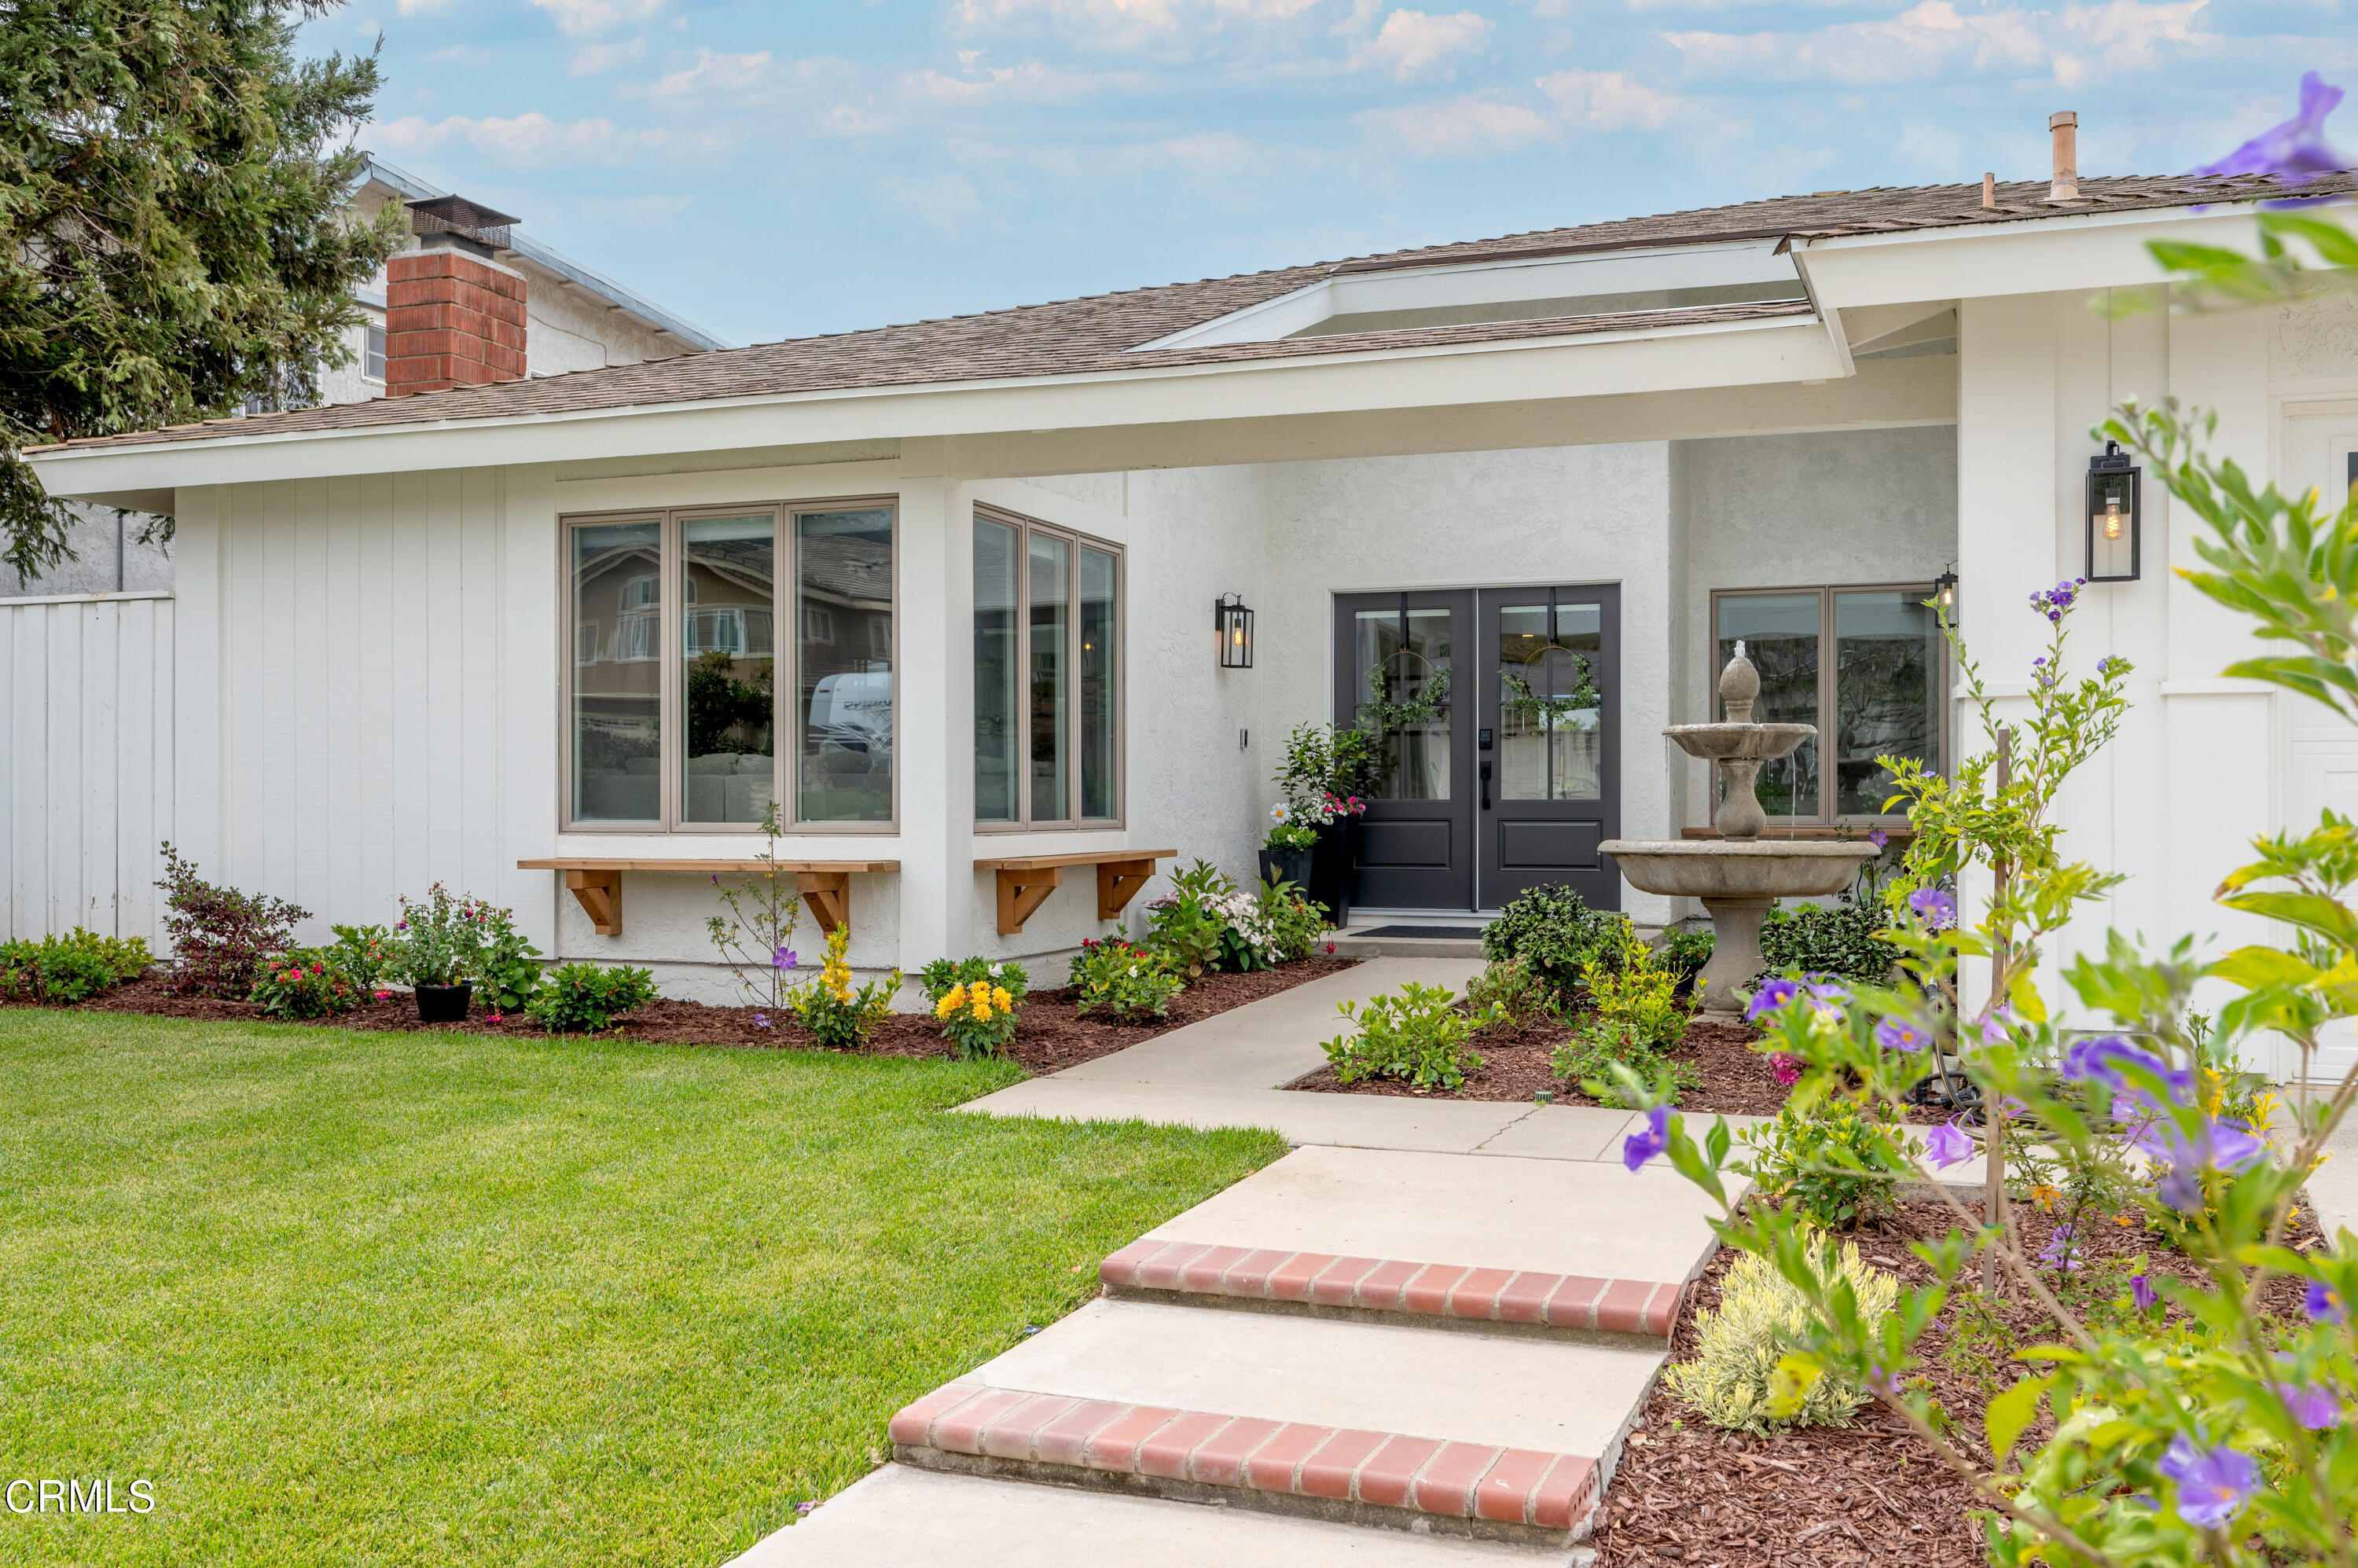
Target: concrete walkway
x=1420 y=1338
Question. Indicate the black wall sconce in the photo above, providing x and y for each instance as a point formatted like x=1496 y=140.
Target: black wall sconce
x=2113 y=547
x=1234 y=623
x=1944 y=592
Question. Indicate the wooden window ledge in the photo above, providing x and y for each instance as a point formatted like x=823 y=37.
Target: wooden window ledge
x=1026 y=880
x=825 y=885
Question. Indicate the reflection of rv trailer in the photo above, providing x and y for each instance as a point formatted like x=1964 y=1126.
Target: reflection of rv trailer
x=854 y=711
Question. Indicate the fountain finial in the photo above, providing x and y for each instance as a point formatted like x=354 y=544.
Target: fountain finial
x=1739 y=682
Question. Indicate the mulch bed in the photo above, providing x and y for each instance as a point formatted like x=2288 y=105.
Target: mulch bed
x=1689 y=1494
x=1736 y=1080
x=1050 y=1037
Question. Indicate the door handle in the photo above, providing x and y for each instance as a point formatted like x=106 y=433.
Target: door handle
x=1485 y=786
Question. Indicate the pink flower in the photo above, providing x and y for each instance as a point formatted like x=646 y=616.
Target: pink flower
x=382 y=995
x=1787 y=1068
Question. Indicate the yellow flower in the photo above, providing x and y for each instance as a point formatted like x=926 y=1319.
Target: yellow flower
x=950 y=1003
x=981 y=1008
x=998 y=994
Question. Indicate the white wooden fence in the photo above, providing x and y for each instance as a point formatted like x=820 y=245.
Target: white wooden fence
x=86 y=788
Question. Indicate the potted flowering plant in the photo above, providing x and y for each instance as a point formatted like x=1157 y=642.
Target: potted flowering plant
x=438 y=949
x=1326 y=776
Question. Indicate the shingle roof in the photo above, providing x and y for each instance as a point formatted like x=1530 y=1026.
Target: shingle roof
x=1103 y=332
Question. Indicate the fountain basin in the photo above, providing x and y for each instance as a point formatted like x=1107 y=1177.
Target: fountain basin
x=1737 y=879
x=1746 y=742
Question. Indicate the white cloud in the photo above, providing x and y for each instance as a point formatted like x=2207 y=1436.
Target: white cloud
x=590 y=59
x=714 y=75
x=458 y=54
x=420 y=7
x=1411 y=43
x=527 y=141
x=1933 y=38
x=586 y=18
x=945 y=201
x=1031 y=82
x=1128 y=24
x=1612 y=100
x=1461 y=127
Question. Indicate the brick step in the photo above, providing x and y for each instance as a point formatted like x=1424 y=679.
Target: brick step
x=1441 y=1294
x=1479 y=1490
x=1506 y=1438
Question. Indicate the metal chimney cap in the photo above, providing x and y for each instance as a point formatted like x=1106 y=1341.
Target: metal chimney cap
x=456 y=215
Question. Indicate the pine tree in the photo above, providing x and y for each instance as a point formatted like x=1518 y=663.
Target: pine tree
x=173 y=233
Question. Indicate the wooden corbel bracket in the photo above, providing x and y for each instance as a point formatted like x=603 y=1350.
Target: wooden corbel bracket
x=600 y=893
x=1026 y=880
x=829 y=894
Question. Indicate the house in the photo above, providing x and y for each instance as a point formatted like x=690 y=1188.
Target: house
x=576 y=319
x=945 y=591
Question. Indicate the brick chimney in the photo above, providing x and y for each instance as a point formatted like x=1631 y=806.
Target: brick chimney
x=453 y=316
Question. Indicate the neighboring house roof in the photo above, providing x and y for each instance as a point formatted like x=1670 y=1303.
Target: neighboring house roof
x=413 y=189
x=1104 y=332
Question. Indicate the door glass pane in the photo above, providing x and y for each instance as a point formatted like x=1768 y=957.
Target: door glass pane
x=617 y=672
x=1887 y=702
x=1097 y=685
x=1051 y=572
x=1550 y=746
x=1403 y=684
x=843 y=567
x=728 y=593
x=996 y=667
x=1780 y=632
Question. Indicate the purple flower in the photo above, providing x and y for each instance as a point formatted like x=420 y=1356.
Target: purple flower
x=1948 y=1144
x=2101 y=1061
x=1772 y=995
x=1896 y=1034
x=2141 y=1291
x=761 y=1021
x=2314 y=1408
x=2294 y=150
x=2212 y=1484
x=2061 y=1252
x=1878 y=838
x=1828 y=989
x=1934 y=907
x=784 y=958
x=2222 y=1145
x=2324 y=1304
x=1993 y=1027
x=1651 y=1140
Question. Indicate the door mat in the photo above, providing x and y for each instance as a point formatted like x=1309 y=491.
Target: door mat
x=1425 y=932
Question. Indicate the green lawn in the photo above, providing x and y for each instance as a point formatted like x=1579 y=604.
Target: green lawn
x=358 y=1299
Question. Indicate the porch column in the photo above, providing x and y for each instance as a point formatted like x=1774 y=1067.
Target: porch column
x=936 y=780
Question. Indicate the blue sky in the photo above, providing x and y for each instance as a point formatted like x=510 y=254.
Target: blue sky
x=778 y=170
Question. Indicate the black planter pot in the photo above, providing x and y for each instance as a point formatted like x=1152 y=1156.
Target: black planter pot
x=1293 y=865
x=1330 y=881
x=444 y=1004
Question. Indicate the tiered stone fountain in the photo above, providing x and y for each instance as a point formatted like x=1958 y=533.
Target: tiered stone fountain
x=1739 y=874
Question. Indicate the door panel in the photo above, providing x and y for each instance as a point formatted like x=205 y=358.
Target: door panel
x=1395 y=670
x=1549 y=749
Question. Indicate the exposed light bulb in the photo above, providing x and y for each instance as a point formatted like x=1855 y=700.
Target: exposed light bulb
x=2112 y=520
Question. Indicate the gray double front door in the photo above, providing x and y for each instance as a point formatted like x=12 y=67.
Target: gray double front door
x=1499 y=713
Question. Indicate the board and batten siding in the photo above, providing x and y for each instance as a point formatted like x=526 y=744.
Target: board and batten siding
x=384 y=691
x=86 y=706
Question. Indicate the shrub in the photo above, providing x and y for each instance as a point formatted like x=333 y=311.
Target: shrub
x=1734 y=1379
x=1828 y=940
x=365 y=954
x=1206 y=922
x=1418 y=1035
x=1598 y=1045
x=838 y=1016
x=582 y=998
x=1686 y=950
x=756 y=940
x=942 y=974
x=221 y=937
x=1123 y=979
x=1294 y=922
x=1513 y=988
x=1832 y=1158
x=69 y=967
x=1630 y=989
x=306 y=983
x=1552 y=929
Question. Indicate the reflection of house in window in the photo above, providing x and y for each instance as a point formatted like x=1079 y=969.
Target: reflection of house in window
x=637 y=636
x=818 y=623
x=616 y=731
x=585 y=642
x=879 y=638
x=740 y=634
x=639 y=593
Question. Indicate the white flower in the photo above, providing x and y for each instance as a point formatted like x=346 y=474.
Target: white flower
x=1281 y=813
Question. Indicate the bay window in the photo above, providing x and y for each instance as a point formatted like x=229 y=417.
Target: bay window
x=1864 y=664
x=1047 y=677
x=681 y=718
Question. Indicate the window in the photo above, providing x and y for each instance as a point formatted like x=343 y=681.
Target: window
x=1864 y=664
x=1047 y=677
x=681 y=718
x=372 y=358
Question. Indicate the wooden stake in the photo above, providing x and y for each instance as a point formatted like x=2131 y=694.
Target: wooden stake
x=1993 y=1111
